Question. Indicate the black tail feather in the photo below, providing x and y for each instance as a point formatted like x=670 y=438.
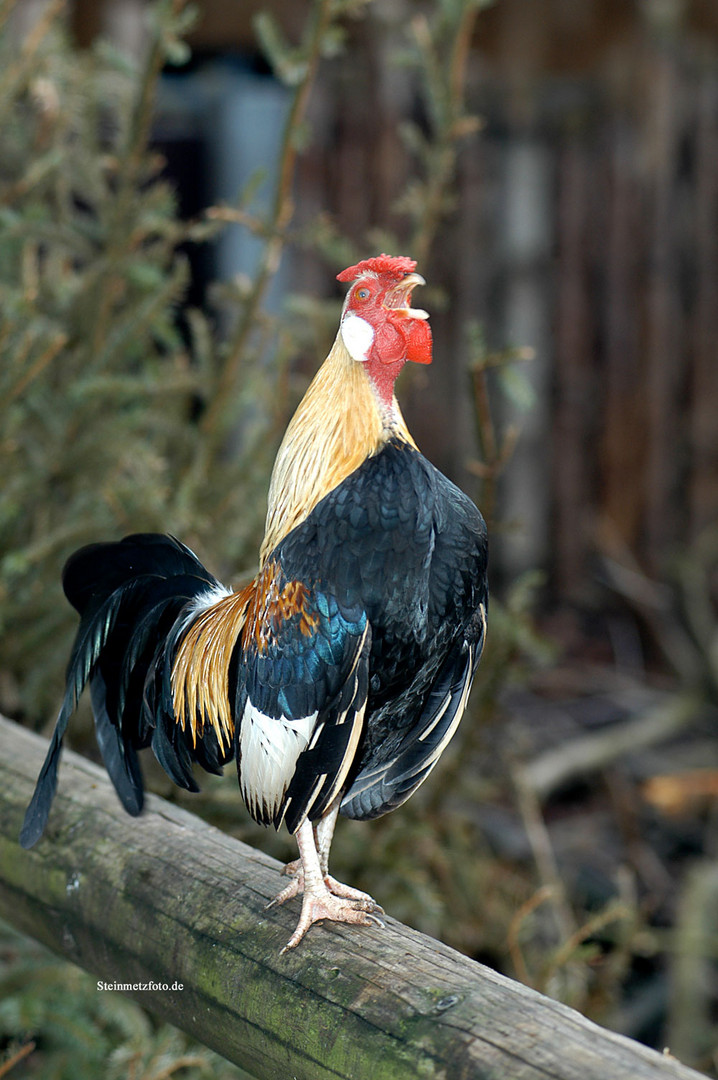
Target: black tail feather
x=208 y=754
x=173 y=755
x=89 y=642
x=169 y=744
x=37 y=812
x=133 y=645
x=131 y=597
x=119 y=756
x=104 y=567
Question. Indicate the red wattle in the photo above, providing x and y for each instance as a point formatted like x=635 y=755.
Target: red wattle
x=418 y=341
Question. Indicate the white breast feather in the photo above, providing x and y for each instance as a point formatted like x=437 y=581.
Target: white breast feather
x=269 y=753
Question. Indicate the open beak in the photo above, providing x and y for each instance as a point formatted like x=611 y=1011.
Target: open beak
x=398 y=299
x=412 y=323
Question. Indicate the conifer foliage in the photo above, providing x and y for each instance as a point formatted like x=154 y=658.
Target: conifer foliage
x=99 y=388
x=89 y=282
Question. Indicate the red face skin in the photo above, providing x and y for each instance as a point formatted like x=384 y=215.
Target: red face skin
x=381 y=296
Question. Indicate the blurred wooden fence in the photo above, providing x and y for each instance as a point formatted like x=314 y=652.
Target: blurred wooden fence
x=636 y=431
x=586 y=227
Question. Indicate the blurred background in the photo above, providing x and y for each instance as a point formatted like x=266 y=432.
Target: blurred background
x=179 y=185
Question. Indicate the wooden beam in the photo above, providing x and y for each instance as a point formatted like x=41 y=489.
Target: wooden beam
x=168 y=899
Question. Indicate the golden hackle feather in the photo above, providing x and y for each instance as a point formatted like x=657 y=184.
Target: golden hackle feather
x=200 y=673
x=339 y=424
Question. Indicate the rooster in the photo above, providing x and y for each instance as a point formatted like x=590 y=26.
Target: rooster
x=338 y=676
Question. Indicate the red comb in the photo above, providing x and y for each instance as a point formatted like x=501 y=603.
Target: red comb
x=396 y=265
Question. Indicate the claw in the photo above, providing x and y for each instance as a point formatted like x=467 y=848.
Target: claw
x=294 y=888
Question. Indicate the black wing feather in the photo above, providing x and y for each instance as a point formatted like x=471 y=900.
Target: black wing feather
x=310 y=668
x=328 y=756
x=385 y=785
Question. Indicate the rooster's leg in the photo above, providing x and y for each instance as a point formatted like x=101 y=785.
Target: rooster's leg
x=323 y=835
x=318 y=902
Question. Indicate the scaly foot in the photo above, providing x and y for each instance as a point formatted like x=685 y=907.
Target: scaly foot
x=336 y=888
x=324 y=898
x=319 y=905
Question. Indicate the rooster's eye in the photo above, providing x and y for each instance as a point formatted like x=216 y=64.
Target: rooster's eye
x=362 y=294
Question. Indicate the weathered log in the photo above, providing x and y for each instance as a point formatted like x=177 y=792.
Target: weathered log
x=167 y=899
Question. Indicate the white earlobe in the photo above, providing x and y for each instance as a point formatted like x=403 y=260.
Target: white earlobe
x=358 y=336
